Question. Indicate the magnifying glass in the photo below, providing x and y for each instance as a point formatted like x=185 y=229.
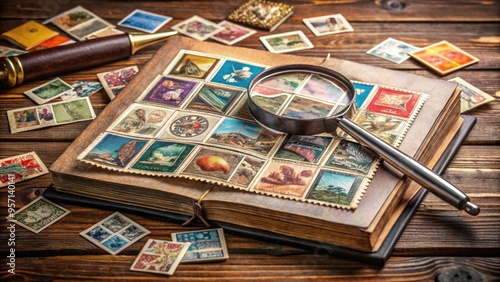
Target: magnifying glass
x=280 y=101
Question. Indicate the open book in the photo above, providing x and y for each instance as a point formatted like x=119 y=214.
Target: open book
x=360 y=226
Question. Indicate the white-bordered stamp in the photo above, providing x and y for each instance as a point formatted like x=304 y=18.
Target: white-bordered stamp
x=392 y=50
x=39 y=214
x=144 y=21
x=21 y=167
x=159 y=256
x=206 y=245
x=49 y=91
x=197 y=28
x=325 y=25
x=232 y=33
x=286 y=42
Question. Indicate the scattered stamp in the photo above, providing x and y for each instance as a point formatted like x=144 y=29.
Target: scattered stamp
x=286 y=42
x=39 y=214
x=48 y=91
x=471 y=96
x=79 y=23
x=81 y=89
x=8 y=52
x=114 y=81
x=114 y=233
x=206 y=245
x=193 y=65
x=29 y=34
x=325 y=25
x=232 y=33
x=21 y=167
x=443 y=57
x=103 y=33
x=113 y=151
x=144 y=21
x=159 y=256
x=392 y=50
x=197 y=28
x=54 y=41
x=237 y=73
x=51 y=114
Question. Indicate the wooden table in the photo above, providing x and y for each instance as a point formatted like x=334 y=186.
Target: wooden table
x=439 y=242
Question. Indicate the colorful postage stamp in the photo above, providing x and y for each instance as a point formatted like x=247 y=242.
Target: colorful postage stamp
x=113 y=151
x=49 y=91
x=193 y=65
x=162 y=157
x=336 y=188
x=385 y=127
x=394 y=102
x=352 y=157
x=328 y=24
x=443 y=57
x=392 y=50
x=212 y=163
x=169 y=91
x=114 y=233
x=304 y=148
x=21 y=167
x=29 y=34
x=286 y=42
x=39 y=214
x=58 y=113
x=285 y=179
x=363 y=91
x=55 y=41
x=189 y=126
x=269 y=99
x=285 y=82
x=206 y=245
x=159 y=256
x=81 y=89
x=237 y=73
x=141 y=120
x=471 y=97
x=197 y=28
x=214 y=98
x=246 y=172
x=144 y=21
x=114 y=81
x=79 y=22
x=245 y=136
x=232 y=33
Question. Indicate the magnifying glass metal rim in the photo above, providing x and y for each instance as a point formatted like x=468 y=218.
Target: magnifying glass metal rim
x=294 y=125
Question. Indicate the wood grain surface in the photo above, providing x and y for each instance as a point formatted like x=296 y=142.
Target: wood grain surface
x=439 y=241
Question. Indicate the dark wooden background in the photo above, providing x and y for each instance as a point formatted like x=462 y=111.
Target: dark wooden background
x=439 y=241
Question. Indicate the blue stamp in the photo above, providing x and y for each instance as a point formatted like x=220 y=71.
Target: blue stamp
x=144 y=21
x=98 y=234
x=236 y=73
x=362 y=91
x=115 y=243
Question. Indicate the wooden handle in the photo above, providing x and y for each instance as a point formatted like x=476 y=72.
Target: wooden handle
x=71 y=57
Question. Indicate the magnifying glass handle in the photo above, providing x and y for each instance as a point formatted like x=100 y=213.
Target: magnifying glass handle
x=411 y=168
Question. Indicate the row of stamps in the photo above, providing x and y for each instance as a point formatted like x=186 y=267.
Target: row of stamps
x=193 y=121
x=117 y=232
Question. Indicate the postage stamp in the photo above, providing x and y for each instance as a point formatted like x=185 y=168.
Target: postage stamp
x=189 y=126
x=79 y=22
x=363 y=91
x=328 y=24
x=141 y=120
x=214 y=98
x=103 y=33
x=269 y=99
x=81 y=89
x=197 y=28
x=144 y=21
x=394 y=102
x=21 y=167
x=392 y=50
x=159 y=256
x=237 y=73
x=246 y=172
x=193 y=65
x=114 y=81
x=385 y=127
x=232 y=33
x=285 y=179
x=112 y=150
x=114 y=233
x=353 y=158
x=212 y=163
x=471 y=96
x=304 y=148
x=162 y=157
x=286 y=42
x=29 y=34
x=337 y=188
x=39 y=214
x=52 y=114
x=285 y=82
x=7 y=52
x=169 y=91
x=48 y=91
x=206 y=245
x=443 y=57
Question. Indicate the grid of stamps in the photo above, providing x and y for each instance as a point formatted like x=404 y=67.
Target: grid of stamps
x=193 y=121
x=114 y=233
x=206 y=245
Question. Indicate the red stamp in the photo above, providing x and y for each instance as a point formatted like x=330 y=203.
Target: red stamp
x=21 y=167
x=394 y=102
